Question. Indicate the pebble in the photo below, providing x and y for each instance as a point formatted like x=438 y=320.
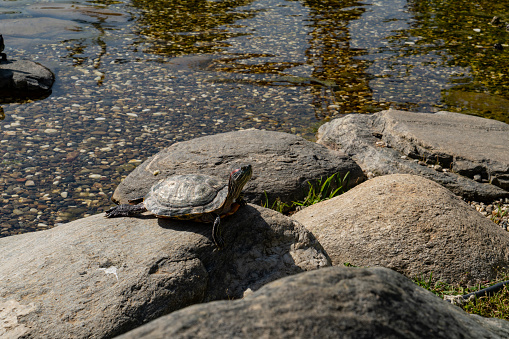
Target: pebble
x=498 y=211
x=99 y=123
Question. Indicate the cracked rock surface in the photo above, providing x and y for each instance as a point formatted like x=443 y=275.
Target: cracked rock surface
x=467 y=154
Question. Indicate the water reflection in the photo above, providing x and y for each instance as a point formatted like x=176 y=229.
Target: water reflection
x=134 y=77
x=181 y=27
x=335 y=59
x=459 y=35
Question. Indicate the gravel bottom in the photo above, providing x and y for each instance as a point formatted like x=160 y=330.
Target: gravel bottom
x=62 y=157
x=114 y=104
x=498 y=211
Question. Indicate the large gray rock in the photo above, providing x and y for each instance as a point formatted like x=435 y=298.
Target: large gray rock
x=391 y=141
x=99 y=277
x=24 y=78
x=336 y=302
x=282 y=164
x=409 y=224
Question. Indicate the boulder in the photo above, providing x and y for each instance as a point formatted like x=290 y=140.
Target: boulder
x=23 y=78
x=98 y=277
x=472 y=150
x=412 y=225
x=283 y=164
x=335 y=302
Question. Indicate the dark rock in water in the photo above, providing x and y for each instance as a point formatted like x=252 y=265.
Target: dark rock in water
x=393 y=141
x=3 y=56
x=283 y=164
x=24 y=78
x=336 y=302
x=98 y=277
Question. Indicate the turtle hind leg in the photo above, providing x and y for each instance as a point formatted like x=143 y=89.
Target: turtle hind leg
x=125 y=210
x=216 y=233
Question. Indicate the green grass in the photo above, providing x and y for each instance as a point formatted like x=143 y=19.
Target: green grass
x=497 y=217
x=496 y=306
x=277 y=205
x=323 y=189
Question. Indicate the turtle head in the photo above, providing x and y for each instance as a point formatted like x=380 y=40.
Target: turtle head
x=238 y=178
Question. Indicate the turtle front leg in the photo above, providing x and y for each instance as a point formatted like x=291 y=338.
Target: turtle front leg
x=125 y=210
x=240 y=200
x=216 y=233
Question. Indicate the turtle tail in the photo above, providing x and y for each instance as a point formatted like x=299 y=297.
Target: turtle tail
x=125 y=210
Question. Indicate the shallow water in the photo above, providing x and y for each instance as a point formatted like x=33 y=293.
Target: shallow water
x=134 y=77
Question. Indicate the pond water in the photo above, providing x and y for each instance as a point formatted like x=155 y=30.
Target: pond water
x=133 y=77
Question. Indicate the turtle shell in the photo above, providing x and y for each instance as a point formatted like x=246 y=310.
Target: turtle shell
x=186 y=196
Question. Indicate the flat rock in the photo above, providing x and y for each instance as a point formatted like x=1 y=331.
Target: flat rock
x=412 y=225
x=37 y=27
x=283 y=164
x=24 y=78
x=98 y=277
x=40 y=29
x=394 y=141
x=335 y=302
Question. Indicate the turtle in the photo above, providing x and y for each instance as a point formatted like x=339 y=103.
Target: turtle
x=196 y=197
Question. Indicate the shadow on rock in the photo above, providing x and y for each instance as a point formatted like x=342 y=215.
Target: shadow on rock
x=260 y=246
x=99 y=277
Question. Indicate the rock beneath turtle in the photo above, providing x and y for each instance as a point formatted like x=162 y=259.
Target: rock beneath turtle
x=394 y=141
x=412 y=225
x=98 y=277
x=24 y=78
x=283 y=164
x=336 y=302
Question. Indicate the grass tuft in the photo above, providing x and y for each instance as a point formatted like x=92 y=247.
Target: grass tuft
x=325 y=189
x=277 y=205
x=496 y=306
x=322 y=190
